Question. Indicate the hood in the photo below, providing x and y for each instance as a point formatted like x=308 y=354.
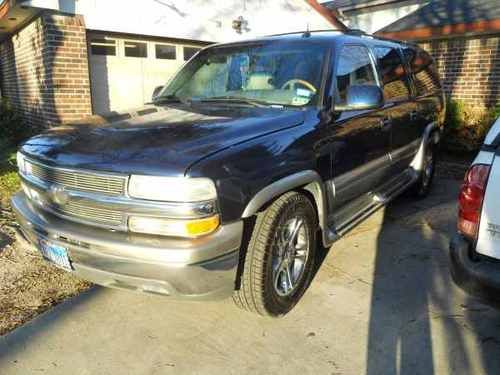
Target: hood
x=155 y=140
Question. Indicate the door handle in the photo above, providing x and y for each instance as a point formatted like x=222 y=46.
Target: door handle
x=413 y=115
x=386 y=124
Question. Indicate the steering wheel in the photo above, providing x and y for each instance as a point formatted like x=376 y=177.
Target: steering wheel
x=293 y=82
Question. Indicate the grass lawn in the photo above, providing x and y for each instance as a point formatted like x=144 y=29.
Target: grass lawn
x=9 y=180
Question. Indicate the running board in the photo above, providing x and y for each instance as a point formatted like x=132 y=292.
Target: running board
x=380 y=198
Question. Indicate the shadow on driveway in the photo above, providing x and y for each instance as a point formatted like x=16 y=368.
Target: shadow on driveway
x=417 y=325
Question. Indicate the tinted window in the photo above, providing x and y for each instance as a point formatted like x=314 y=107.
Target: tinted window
x=424 y=71
x=136 y=49
x=190 y=52
x=103 y=47
x=354 y=68
x=165 y=52
x=392 y=73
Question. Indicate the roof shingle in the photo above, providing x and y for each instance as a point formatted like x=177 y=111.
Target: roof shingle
x=439 y=13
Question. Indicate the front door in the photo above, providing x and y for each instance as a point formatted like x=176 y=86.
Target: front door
x=361 y=139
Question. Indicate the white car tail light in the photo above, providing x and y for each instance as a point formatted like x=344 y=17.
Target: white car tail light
x=470 y=200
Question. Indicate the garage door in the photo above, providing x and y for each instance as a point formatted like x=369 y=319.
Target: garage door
x=124 y=72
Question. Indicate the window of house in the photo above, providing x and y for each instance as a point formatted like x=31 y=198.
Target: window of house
x=392 y=73
x=354 y=68
x=136 y=49
x=190 y=52
x=103 y=47
x=165 y=52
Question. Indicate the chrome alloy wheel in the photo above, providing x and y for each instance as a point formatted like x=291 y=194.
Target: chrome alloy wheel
x=290 y=257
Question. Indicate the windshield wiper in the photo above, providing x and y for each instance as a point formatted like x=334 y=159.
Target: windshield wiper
x=170 y=99
x=237 y=100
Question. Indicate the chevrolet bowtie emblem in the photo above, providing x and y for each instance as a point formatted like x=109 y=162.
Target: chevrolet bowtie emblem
x=59 y=195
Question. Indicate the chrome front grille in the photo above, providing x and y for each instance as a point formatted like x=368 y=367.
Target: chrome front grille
x=80 y=181
x=92 y=215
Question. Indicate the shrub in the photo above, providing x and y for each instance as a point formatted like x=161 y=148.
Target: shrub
x=12 y=129
x=466 y=124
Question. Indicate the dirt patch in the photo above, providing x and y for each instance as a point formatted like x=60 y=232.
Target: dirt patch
x=28 y=284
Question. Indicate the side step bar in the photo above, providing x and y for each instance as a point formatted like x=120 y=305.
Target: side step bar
x=380 y=198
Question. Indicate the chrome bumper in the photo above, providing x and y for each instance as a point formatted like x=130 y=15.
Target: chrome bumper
x=203 y=268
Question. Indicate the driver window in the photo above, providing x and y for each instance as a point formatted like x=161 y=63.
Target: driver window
x=354 y=68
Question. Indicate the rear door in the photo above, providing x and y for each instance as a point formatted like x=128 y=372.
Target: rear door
x=360 y=158
x=400 y=106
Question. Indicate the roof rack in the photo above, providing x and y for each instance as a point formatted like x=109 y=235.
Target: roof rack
x=305 y=32
x=356 y=32
x=353 y=32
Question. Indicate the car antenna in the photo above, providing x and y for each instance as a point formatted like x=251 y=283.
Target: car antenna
x=307 y=33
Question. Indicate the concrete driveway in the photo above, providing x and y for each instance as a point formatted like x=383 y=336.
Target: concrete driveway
x=382 y=303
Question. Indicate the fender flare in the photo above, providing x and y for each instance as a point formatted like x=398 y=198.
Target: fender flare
x=307 y=180
x=432 y=129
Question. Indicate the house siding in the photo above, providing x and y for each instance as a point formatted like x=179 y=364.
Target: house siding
x=44 y=70
x=469 y=67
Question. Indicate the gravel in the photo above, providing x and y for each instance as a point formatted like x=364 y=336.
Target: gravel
x=28 y=284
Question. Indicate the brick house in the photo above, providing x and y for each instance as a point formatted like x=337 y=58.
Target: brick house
x=61 y=60
x=463 y=36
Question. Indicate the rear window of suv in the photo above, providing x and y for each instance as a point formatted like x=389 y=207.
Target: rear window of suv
x=392 y=73
x=424 y=71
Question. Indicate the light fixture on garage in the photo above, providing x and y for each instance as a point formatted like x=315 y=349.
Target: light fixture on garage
x=240 y=24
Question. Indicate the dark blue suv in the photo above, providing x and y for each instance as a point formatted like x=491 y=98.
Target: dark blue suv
x=253 y=156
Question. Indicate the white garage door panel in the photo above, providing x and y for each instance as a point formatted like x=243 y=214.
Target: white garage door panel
x=120 y=82
x=157 y=73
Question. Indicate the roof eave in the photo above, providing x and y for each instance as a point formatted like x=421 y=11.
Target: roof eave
x=365 y=5
x=446 y=31
x=13 y=17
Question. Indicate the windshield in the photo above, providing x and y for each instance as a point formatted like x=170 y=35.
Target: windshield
x=270 y=74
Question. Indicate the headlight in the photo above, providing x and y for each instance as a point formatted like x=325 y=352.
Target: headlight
x=173 y=227
x=171 y=189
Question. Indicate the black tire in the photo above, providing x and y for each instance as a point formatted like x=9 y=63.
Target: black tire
x=257 y=292
x=423 y=186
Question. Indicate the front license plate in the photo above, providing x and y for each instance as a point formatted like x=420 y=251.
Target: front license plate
x=56 y=254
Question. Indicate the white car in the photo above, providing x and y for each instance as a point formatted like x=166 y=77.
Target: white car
x=475 y=251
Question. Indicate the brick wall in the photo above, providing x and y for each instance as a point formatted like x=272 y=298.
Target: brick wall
x=469 y=68
x=44 y=70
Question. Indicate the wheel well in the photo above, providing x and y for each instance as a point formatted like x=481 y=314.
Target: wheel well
x=249 y=223
x=310 y=196
x=302 y=190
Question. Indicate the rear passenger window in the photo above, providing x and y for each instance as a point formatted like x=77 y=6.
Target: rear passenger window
x=424 y=71
x=392 y=73
x=354 y=68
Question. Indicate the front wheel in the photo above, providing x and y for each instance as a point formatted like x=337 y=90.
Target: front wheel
x=279 y=261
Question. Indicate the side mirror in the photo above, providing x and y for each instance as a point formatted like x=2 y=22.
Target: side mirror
x=156 y=91
x=362 y=97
